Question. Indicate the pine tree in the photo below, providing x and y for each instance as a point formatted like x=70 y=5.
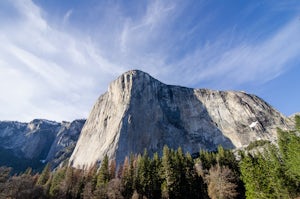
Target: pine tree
x=194 y=183
x=289 y=146
x=267 y=166
x=104 y=174
x=274 y=168
x=156 y=181
x=227 y=158
x=127 y=177
x=208 y=159
x=174 y=174
x=103 y=178
x=55 y=190
x=248 y=174
x=297 y=121
x=143 y=179
x=167 y=173
x=45 y=175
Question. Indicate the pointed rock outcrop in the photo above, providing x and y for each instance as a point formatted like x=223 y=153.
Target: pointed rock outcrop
x=139 y=112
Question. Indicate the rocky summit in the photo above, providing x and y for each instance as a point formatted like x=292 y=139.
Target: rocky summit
x=139 y=112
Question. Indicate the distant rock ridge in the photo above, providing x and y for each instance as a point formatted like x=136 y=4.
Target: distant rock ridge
x=39 y=141
x=139 y=112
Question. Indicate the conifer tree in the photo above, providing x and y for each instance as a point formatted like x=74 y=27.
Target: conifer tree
x=195 y=184
x=208 y=159
x=55 y=190
x=155 y=170
x=45 y=175
x=226 y=158
x=289 y=146
x=167 y=173
x=297 y=121
x=143 y=179
x=248 y=172
x=269 y=184
x=103 y=175
x=127 y=177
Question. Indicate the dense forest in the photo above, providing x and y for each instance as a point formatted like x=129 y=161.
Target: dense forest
x=262 y=170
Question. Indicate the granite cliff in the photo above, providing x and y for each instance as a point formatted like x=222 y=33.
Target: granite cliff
x=139 y=112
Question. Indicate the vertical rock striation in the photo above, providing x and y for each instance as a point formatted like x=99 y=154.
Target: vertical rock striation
x=139 y=112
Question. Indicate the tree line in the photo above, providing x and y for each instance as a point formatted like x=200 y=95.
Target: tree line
x=265 y=171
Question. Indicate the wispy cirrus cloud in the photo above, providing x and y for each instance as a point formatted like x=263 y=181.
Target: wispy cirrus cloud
x=246 y=62
x=47 y=73
x=56 y=69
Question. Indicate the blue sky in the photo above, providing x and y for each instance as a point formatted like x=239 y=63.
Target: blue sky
x=58 y=56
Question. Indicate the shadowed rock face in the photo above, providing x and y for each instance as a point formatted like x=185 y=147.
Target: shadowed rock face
x=140 y=112
x=25 y=145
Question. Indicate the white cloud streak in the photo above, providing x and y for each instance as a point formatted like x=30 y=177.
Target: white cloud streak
x=67 y=16
x=46 y=73
x=50 y=73
x=246 y=62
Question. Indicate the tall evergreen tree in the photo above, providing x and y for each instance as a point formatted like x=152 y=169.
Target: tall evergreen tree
x=195 y=183
x=45 y=175
x=269 y=184
x=156 y=181
x=297 y=121
x=143 y=180
x=55 y=186
x=127 y=177
x=208 y=159
x=103 y=175
x=168 y=174
x=289 y=145
x=227 y=158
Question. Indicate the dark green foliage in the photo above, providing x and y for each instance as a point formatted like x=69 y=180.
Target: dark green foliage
x=289 y=145
x=278 y=168
x=57 y=178
x=128 y=176
x=297 y=120
x=45 y=175
x=143 y=176
x=227 y=158
x=156 y=181
x=208 y=159
x=180 y=179
x=257 y=143
x=268 y=184
x=103 y=175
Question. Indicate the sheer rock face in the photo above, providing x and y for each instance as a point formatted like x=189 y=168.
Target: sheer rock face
x=64 y=142
x=140 y=112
